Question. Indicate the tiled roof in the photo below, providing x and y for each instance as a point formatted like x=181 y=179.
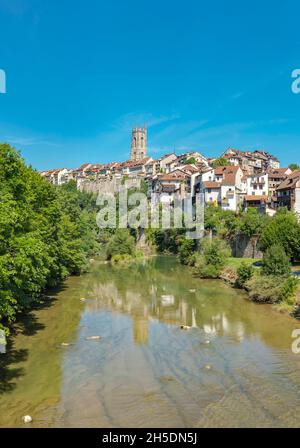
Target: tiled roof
x=229 y=175
x=174 y=175
x=279 y=172
x=253 y=198
x=290 y=181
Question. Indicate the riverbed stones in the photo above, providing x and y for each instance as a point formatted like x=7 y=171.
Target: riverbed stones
x=93 y=338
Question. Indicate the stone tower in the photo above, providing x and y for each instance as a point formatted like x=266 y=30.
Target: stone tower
x=139 y=144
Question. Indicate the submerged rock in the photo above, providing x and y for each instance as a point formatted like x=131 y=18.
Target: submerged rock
x=93 y=338
x=185 y=327
x=27 y=419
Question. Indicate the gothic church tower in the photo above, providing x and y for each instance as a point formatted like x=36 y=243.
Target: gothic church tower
x=138 y=144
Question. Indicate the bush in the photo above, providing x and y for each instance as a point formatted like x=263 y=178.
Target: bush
x=275 y=261
x=212 y=260
x=121 y=243
x=271 y=289
x=264 y=289
x=244 y=273
x=186 y=251
x=204 y=270
x=283 y=228
x=288 y=290
x=122 y=259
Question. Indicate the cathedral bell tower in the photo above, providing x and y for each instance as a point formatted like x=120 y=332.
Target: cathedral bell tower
x=138 y=144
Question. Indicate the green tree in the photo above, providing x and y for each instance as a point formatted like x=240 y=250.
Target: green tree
x=46 y=233
x=213 y=257
x=121 y=243
x=276 y=262
x=282 y=229
x=252 y=222
x=191 y=161
x=221 y=161
x=187 y=250
x=294 y=167
x=244 y=273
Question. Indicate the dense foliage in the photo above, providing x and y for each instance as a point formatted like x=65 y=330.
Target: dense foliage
x=212 y=258
x=121 y=243
x=221 y=161
x=46 y=233
x=272 y=289
x=244 y=273
x=283 y=229
x=275 y=261
x=294 y=166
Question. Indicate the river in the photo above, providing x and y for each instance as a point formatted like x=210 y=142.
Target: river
x=233 y=368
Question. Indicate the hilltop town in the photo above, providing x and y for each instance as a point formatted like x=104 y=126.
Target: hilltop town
x=236 y=180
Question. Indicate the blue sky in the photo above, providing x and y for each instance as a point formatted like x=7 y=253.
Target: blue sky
x=202 y=75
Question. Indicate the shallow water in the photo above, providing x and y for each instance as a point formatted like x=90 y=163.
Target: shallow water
x=234 y=368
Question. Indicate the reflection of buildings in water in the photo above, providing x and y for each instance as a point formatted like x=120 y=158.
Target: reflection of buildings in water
x=140 y=329
x=220 y=325
x=167 y=300
x=194 y=323
x=184 y=312
x=151 y=304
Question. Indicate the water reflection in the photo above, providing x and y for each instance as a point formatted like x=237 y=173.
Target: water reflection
x=164 y=291
x=234 y=367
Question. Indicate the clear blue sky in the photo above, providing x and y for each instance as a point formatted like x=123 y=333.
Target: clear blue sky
x=202 y=75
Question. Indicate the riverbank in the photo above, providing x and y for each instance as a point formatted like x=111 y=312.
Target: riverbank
x=229 y=274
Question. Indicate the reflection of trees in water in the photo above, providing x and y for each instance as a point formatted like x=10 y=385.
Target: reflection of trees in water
x=163 y=290
x=31 y=373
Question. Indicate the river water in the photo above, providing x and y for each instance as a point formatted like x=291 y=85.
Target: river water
x=233 y=368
